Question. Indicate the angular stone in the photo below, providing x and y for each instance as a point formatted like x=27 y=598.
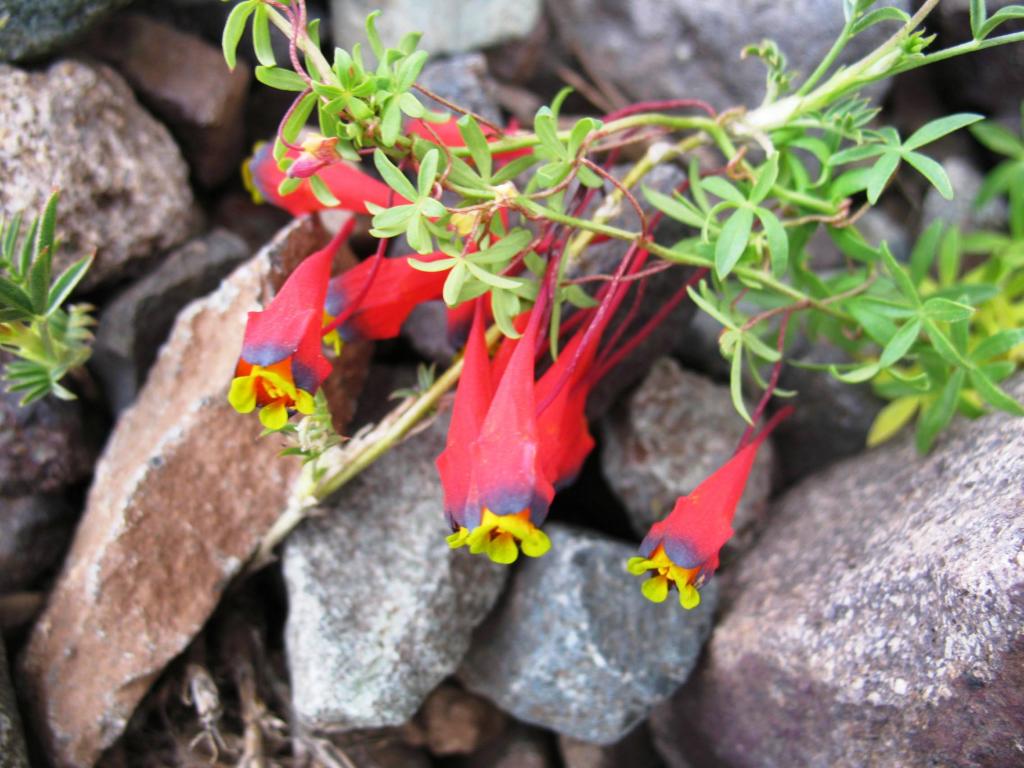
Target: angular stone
x=669 y=435
x=380 y=608
x=136 y=322
x=124 y=186
x=12 y=741
x=448 y=26
x=181 y=497
x=463 y=80
x=44 y=446
x=692 y=49
x=34 y=532
x=878 y=620
x=634 y=750
x=576 y=648
x=33 y=28
x=455 y=722
x=184 y=80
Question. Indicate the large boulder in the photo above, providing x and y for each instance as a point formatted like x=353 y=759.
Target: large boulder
x=879 y=619
x=34 y=28
x=124 y=185
x=381 y=609
x=575 y=647
x=181 y=498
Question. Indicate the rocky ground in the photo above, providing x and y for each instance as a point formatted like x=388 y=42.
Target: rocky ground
x=870 y=611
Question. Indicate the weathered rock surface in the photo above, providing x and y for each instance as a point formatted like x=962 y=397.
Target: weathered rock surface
x=37 y=27
x=669 y=435
x=34 y=531
x=136 y=322
x=124 y=186
x=879 y=620
x=692 y=49
x=462 y=79
x=380 y=608
x=519 y=747
x=454 y=722
x=12 y=741
x=184 y=80
x=181 y=497
x=44 y=447
x=448 y=26
x=573 y=646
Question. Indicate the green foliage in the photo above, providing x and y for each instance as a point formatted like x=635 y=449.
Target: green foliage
x=47 y=339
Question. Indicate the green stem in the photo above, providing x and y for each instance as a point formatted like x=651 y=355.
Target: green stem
x=959 y=50
x=827 y=62
x=304 y=44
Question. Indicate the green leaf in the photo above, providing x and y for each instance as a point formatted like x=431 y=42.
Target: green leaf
x=323 y=192
x=936 y=129
x=279 y=78
x=13 y=296
x=856 y=375
x=39 y=281
x=428 y=173
x=879 y=327
x=373 y=37
x=261 y=37
x=925 y=248
x=778 y=240
x=1005 y=13
x=491 y=279
x=978 y=14
x=949 y=258
x=678 y=209
x=411 y=106
x=856 y=154
x=234 y=28
x=998 y=139
x=733 y=241
x=28 y=249
x=437 y=265
x=900 y=343
x=736 y=384
x=545 y=127
x=993 y=395
x=947 y=311
x=390 y=123
x=453 y=285
x=932 y=171
x=697 y=185
x=766 y=179
x=892 y=419
x=392 y=176
x=476 y=142
x=998 y=181
x=297 y=119
x=880 y=173
x=66 y=282
x=943 y=344
x=719 y=187
x=937 y=414
x=879 y=15
x=998 y=344
x=899 y=275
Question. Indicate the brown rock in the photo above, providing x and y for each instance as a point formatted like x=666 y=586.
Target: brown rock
x=124 y=186
x=634 y=750
x=455 y=722
x=520 y=746
x=186 y=83
x=181 y=497
x=879 y=619
x=34 y=532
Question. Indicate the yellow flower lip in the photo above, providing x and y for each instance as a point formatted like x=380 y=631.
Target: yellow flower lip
x=273 y=389
x=666 y=574
x=501 y=537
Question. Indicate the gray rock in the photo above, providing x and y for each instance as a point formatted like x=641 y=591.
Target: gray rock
x=462 y=79
x=659 y=50
x=960 y=211
x=44 y=447
x=184 y=80
x=831 y=420
x=576 y=648
x=669 y=435
x=35 y=28
x=877 y=226
x=136 y=322
x=124 y=186
x=34 y=533
x=12 y=741
x=878 y=621
x=448 y=26
x=380 y=609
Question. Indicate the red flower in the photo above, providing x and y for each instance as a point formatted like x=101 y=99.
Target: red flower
x=496 y=493
x=682 y=549
x=349 y=185
x=282 y=363
x=396 y=289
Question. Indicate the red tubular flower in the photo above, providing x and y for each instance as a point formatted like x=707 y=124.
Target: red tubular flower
x=282 y=363
x=496 y=493
x=396 y=290
x=349 y=185
x=682 y=549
